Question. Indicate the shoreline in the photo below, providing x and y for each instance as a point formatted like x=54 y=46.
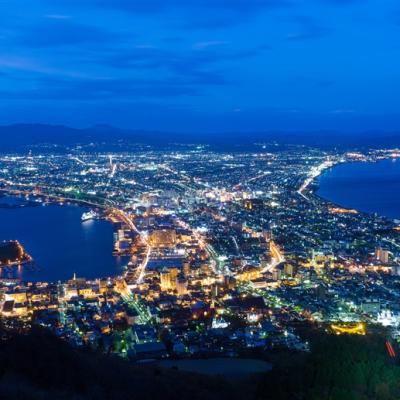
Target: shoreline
x=314 y=186
x=57 y=198
x=315 y=173
x=27 y=258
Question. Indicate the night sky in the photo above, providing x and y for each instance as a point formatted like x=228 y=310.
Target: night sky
x=192 y=65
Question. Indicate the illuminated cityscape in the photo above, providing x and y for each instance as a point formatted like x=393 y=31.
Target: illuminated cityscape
x=226 y=252
x=199 y=199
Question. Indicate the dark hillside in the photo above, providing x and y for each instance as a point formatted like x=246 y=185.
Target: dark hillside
x=40 y=366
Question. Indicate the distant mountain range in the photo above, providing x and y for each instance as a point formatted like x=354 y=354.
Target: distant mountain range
x=19 y=136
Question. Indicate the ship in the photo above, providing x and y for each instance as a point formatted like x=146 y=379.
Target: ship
x=89 y=215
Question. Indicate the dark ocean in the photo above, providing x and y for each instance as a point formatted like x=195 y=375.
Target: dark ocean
x=372 y=187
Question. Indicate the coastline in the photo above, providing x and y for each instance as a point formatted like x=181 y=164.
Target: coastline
x=314 y=186
x=309 y=184
x=57 y=198
x=26 y=257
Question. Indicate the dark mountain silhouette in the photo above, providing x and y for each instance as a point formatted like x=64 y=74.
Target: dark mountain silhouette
x=37 y=366
x=18 y=136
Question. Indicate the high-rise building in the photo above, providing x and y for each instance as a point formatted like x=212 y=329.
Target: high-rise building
x=186 y=268
x=382 y=255
x=165 y=279
x=168 y=278
x=277 y=273
x=290 y=270
x=181 y=285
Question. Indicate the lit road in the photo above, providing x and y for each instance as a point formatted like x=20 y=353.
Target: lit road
x=126 y=295
x=217 y=263
x=254 y=178
x=392 y=242
x=277 y=257
x=81 y=162
x=314 y=173
x=268 y=297
x=144 y=315
x=185 y=177
x=142 y=267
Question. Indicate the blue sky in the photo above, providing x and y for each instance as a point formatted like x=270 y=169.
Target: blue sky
x=202 y=65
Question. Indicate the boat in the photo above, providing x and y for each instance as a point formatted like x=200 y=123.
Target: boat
x=89 y=215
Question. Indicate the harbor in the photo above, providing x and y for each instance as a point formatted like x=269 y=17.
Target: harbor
x=60 y=242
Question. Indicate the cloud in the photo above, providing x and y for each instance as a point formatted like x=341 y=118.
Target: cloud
x=57 y=31
x=179 y=73
x=203 y=67
x=210 y=43
x=101 y=89
x=152 y=57
x=57 y=16
x=342 y=111
x=190 y=14
x=341 y=2
x=308 y=29
x=31 y=66
x=157 y=5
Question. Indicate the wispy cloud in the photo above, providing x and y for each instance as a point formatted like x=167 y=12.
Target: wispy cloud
x=196 y=14
x=210 y=43
x=59 y=32
x=33 y=66
x=341 y=2
x=57 y=16
x=156 y=5
x=306 y=29
x=51 y=88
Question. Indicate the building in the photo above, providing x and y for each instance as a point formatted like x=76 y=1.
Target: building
x=370 y=306
x=186 y=268
x=168 y=278
x=290 y=270
x=162 y=237
x=181 y=285
x=382 y=255
x=253 y=204
x=248 y=273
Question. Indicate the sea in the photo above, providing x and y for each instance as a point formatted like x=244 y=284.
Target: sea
x=59 y=242
x=372 y=187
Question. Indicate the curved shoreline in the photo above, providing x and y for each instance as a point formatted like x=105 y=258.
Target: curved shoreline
x=58 y=198
x=315 y=186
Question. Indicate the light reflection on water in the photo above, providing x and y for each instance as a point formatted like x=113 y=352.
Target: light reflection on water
x=59 y=243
